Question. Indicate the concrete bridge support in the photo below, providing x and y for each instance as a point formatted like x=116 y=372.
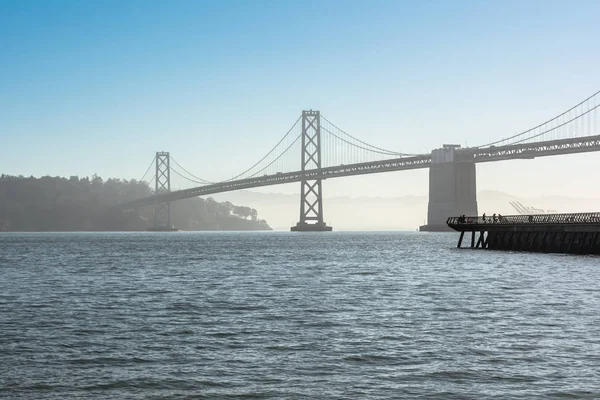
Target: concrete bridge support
x=452 y=189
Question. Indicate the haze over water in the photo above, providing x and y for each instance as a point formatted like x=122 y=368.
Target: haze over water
x=281 y=315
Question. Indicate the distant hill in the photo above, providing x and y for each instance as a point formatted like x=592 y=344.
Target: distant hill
x=83 y=204
x=342 y=212
x=389 y=213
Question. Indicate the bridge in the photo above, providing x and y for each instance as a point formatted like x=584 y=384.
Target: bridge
x=326 y=152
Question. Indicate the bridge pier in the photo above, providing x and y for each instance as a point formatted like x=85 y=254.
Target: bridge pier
x=311 y=193
x=452 y=189
x=162 y=179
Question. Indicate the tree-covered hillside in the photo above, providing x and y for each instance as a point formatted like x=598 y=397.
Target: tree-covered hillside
x=83 y=204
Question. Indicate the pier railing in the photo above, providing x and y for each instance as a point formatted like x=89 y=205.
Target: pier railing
x=577 y=218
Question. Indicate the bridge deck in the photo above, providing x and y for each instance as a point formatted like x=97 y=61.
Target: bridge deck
x=477 y=155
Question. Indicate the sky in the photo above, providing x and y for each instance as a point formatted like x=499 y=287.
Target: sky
x=98 y=87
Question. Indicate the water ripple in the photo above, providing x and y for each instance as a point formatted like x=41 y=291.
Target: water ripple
x=281 y=316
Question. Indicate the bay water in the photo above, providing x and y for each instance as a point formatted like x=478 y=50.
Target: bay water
x=280 y=315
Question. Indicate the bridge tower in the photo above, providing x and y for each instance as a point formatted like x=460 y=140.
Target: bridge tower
x=452 y=188
x=162 y=213
x=311 y=194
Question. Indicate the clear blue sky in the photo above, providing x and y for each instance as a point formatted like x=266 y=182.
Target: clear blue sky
x=97 y=87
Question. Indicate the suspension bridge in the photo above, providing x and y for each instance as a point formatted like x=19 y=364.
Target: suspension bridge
x=315 y=149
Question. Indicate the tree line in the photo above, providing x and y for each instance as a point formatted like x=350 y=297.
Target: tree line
x=88 y=204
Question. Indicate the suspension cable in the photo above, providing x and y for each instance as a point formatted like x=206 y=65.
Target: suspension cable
x=385 y=152
x=150 y=183
x=192 y=175
x=186 y=178
x=269 y=153
x=148 y=170
x=556 y=127
x=360 y=141
x=540 y=125
x=278 y=157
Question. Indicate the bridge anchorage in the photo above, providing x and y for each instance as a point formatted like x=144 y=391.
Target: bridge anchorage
x=162 y=212
x=311 y=190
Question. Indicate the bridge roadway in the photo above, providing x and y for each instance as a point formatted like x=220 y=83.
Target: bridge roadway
x=495 y=153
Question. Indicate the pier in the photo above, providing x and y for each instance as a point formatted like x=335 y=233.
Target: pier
x=546 y=233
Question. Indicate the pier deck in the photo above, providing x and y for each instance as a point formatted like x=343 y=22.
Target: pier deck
x=548 y=233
